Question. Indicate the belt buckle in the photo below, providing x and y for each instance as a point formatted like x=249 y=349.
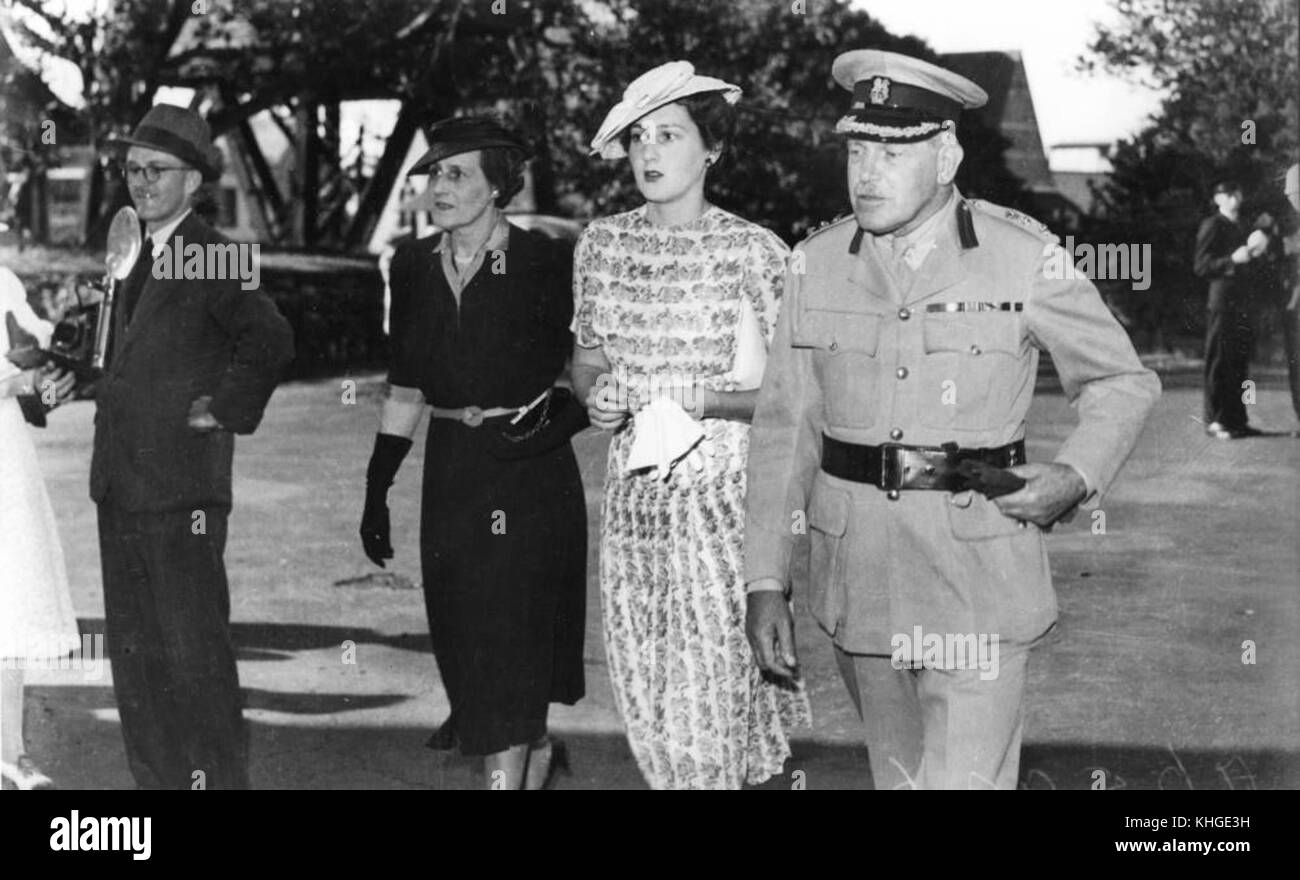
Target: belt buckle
x=920 y=468
x=909 y=468
x=889 y=470
x=472 y=416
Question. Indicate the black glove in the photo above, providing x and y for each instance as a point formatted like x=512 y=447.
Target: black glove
x=543 y=430
x=384 y=462
x=33 y=409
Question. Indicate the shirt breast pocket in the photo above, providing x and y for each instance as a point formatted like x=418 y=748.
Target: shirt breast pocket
x=972 y=369
x=846 y=345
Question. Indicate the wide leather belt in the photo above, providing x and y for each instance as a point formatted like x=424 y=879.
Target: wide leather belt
x=893 y=467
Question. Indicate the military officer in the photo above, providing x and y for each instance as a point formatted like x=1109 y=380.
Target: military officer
x=897 y=384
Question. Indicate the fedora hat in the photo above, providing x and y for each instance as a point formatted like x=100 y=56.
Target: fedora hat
x=178 y=131
x=464 y=134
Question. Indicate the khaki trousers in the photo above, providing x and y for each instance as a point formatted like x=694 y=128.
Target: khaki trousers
x=938 y=728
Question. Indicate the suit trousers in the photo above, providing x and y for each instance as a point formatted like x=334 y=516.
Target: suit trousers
x=167 y=622
x=1229 y=343
x=940 y=728
x=1291 y=338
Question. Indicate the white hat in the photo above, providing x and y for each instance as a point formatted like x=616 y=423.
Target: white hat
x=648 y=92
x=899 y=98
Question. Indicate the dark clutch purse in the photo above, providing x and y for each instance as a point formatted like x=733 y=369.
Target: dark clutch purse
x=542 y=429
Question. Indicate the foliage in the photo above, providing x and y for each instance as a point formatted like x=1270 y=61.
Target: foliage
x=1223 y=63
x=785 y=167
x=551 y=67
x=1228 y=68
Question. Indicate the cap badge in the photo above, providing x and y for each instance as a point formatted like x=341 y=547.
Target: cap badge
x=879 y=90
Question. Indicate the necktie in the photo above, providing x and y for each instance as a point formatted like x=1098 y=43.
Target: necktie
x=134 y=283
x=898 y=265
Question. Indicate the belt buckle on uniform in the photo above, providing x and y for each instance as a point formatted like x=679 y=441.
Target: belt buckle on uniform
x=889 y=475
x=472 y=416
x=912 y=465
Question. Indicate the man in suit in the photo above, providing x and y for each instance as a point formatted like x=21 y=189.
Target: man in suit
x=194 y=361
x=1291 y=284
x=892 y=408
x=1223 y=257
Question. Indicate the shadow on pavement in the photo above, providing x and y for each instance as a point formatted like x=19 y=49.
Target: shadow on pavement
x=272 y=641
x=81 y=746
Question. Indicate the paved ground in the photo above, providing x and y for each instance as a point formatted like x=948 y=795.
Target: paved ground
x=1145 y=682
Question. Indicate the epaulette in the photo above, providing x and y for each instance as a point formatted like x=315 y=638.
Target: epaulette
x=826 y=225
x=1034 y=227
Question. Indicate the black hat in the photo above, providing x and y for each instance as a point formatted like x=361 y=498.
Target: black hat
x=463 y=134
x=900 y=99
x=178 y=131
x=1228 y=186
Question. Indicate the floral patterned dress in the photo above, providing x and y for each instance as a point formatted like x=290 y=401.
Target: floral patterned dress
x=664 y=304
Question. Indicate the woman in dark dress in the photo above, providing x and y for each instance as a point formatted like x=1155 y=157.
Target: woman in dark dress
x=479 y=331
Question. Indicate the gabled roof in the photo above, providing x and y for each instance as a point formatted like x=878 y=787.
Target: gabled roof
x=1010 y=110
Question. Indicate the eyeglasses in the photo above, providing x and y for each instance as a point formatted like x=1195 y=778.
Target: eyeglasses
x=150 y=172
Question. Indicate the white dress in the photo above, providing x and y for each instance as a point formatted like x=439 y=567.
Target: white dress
x=36 y=617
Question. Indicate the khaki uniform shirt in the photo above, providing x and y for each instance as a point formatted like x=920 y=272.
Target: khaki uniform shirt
x=871 y=353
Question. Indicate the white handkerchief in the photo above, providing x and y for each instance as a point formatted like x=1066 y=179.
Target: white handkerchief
x=751 y=350
x=665 y=433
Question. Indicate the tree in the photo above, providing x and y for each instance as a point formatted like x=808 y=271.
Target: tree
x=553 y=68
x=1228 y=69
x=785 y=168
x=120 y=52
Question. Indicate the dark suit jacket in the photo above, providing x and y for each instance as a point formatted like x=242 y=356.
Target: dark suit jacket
x=1217 y=238
x=186 y=339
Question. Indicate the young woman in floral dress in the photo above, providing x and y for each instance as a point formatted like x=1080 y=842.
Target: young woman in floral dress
x=671 y=295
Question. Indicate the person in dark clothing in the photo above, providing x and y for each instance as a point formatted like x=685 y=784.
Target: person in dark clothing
x=1291 y=285
x=194 y=361
x=480 y=333
x=1223 y=257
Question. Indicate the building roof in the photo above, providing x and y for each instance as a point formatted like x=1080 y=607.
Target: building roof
x=1010 y=110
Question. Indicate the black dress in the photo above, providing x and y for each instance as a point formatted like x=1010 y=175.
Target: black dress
x=503 y=544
